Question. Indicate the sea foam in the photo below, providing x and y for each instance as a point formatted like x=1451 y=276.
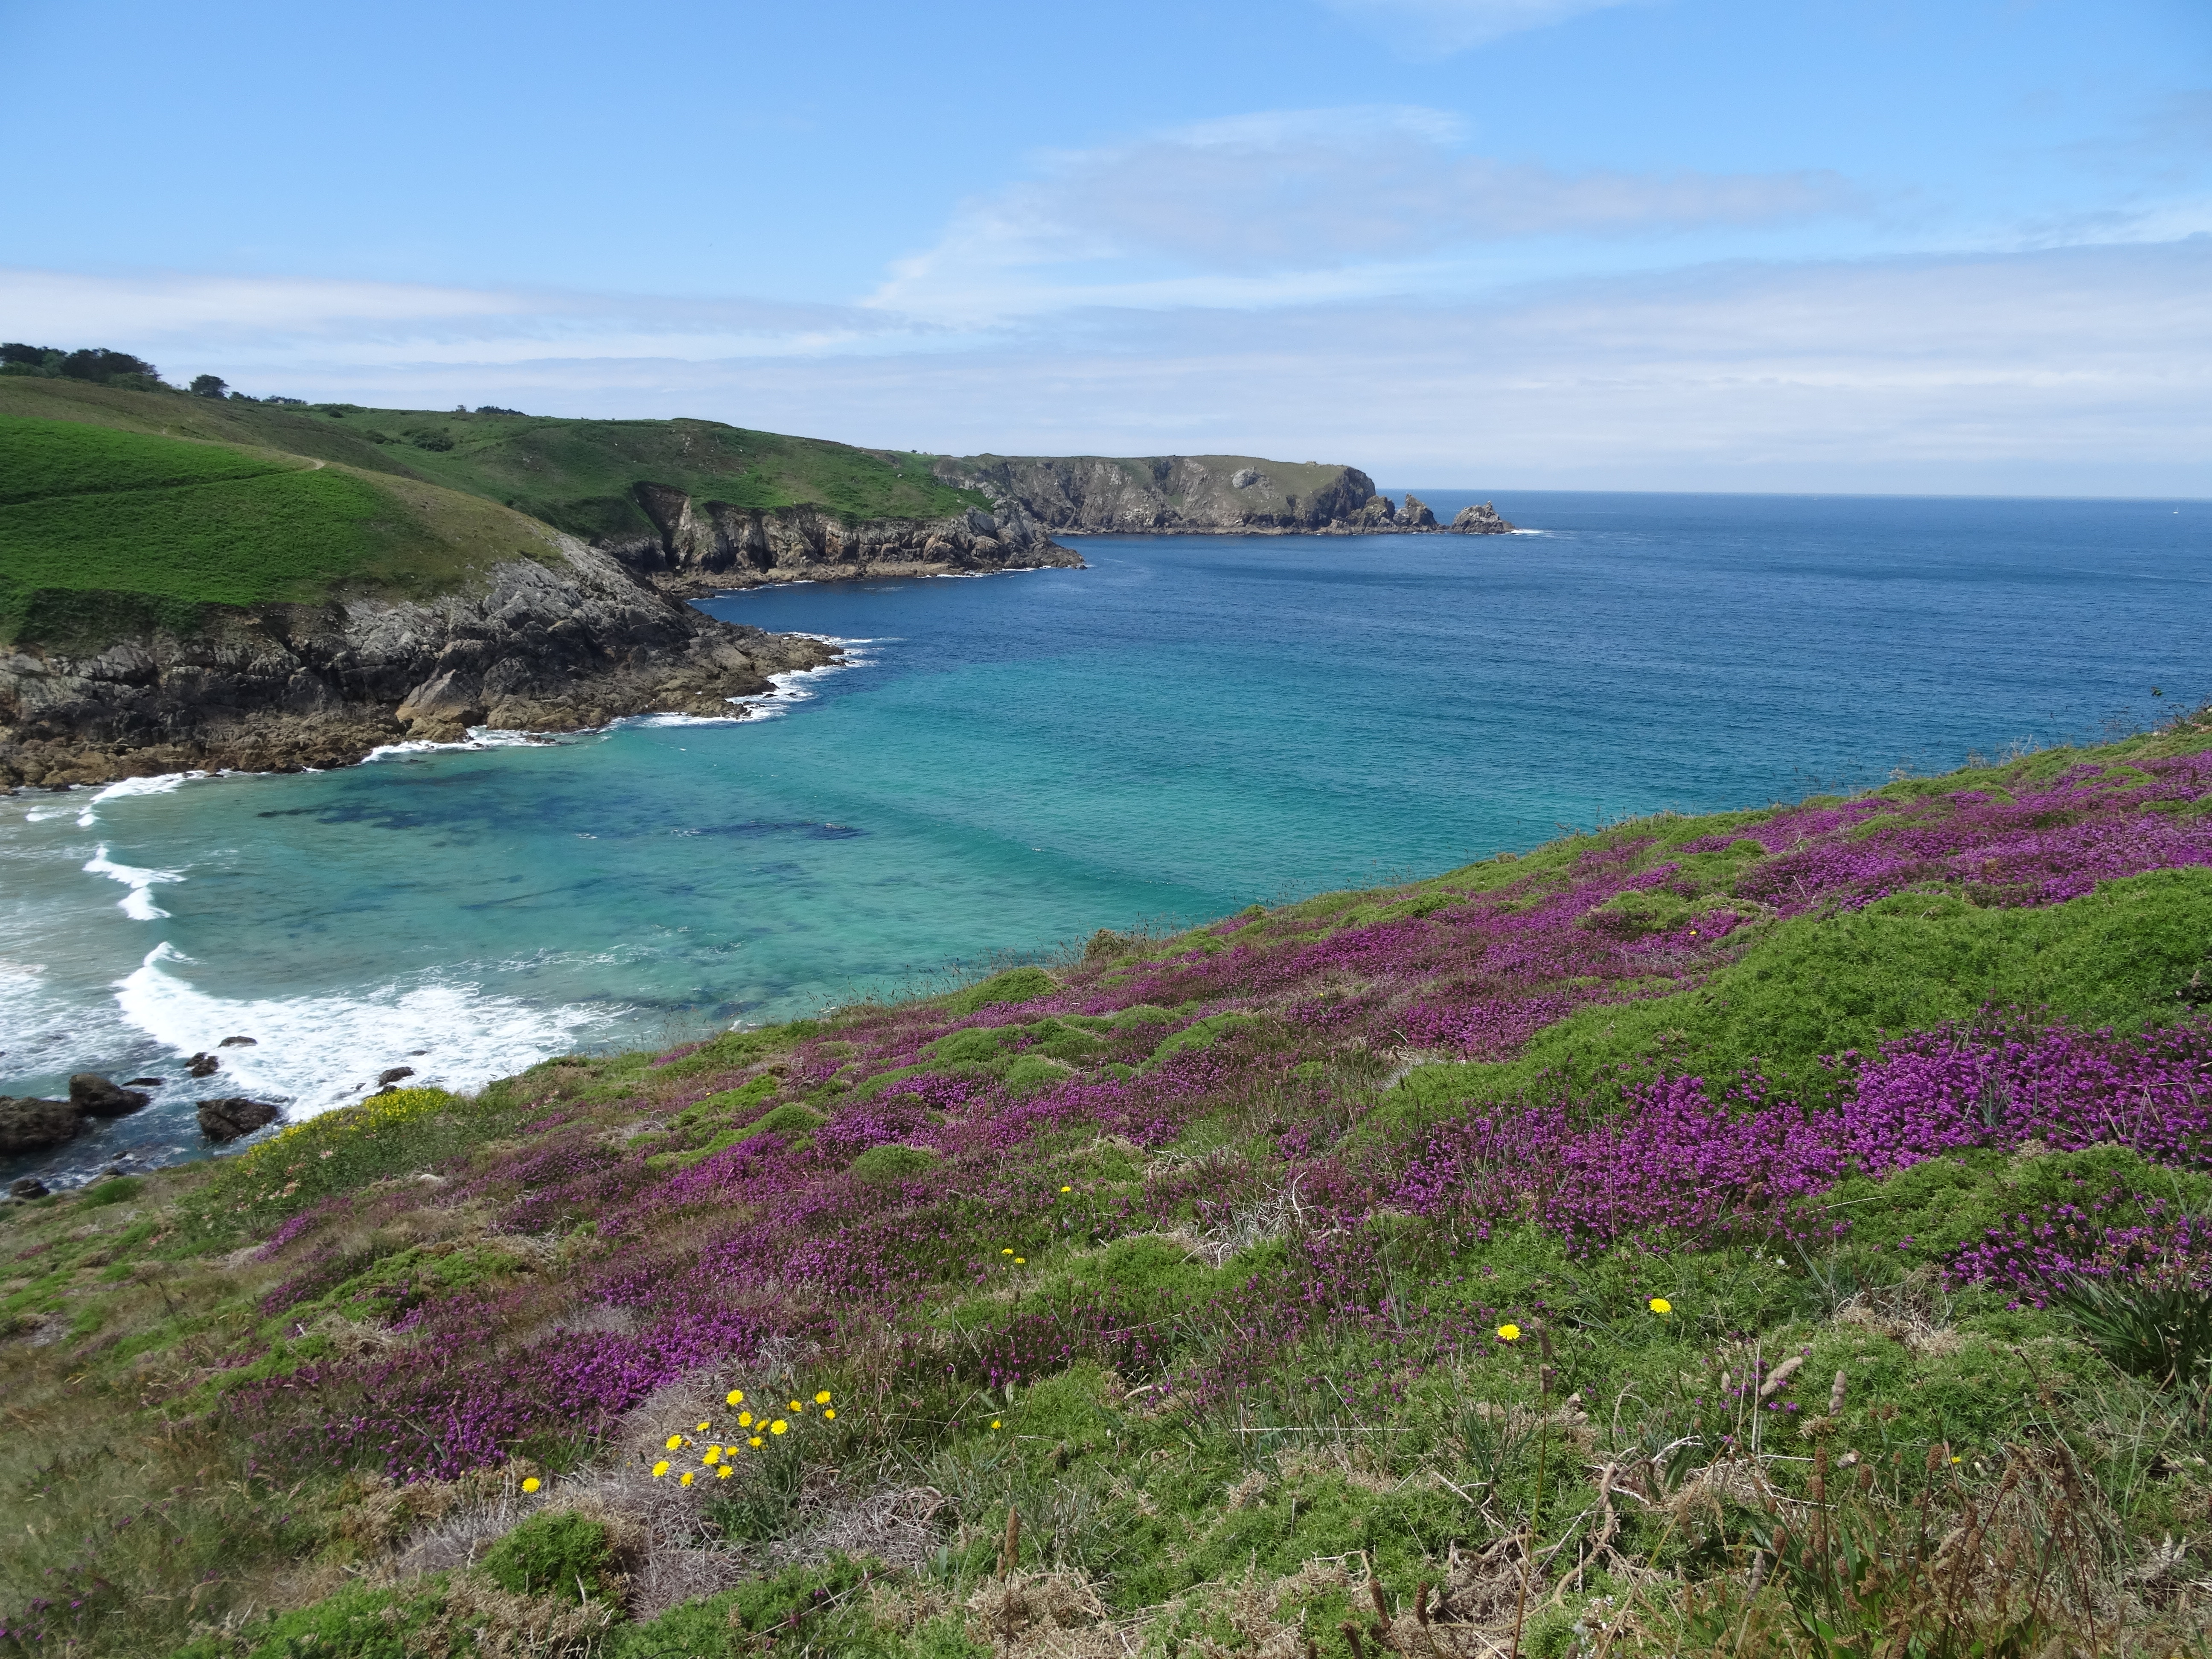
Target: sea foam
x=318 y=1052
x=138 y=903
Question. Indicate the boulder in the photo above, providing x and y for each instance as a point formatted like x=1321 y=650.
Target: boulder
x=202 y=1066
x=145 y=1083
x=239 y=1043
x=393 y=1075
x=226 y=1120
x=32 y=1125
x=1479 y=521
x=95 y=1096
x=28 y=1187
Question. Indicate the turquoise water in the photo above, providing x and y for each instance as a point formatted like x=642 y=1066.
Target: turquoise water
x=1010 y=763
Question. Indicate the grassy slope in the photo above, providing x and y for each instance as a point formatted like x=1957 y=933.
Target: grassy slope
x=575 y=475
x=106 y=529
x=1301 y=479
x=1083 y=1263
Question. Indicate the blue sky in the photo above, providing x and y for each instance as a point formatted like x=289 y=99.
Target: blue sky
x=1689 y=244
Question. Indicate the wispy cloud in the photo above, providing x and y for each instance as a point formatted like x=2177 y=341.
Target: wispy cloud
x=1450 y=25
x=1297 y=205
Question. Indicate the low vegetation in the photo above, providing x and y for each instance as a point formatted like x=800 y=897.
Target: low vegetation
x=1778 y=1232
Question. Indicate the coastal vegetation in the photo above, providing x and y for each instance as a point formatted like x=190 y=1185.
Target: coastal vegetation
x=1779 y=1231
x=107 y=531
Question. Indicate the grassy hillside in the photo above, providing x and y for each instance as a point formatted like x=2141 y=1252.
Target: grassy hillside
x=1777 y=1232
x=579 y=476
x=103 y=529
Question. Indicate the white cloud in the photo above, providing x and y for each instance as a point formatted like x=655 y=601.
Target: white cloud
x=1294 y=206
x=1449 y=26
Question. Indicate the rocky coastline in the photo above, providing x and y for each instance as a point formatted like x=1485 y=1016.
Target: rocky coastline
x=565 y=642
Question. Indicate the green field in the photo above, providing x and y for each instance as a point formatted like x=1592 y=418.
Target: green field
x=579 y=476
x=103 y=531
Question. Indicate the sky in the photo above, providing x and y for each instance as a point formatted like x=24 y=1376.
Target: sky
x=1756 y=244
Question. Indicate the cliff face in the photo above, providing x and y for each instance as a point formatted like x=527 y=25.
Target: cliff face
x=558 y=646
x=1188 y=495
x=706 y=547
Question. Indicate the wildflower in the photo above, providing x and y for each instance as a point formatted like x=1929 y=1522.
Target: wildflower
x=1660 y=1305
x=722 y=1473
x=1068 y=1189
x=755 y=1441
x=823 y=1398
x=779 y=1427
x=714 y=1456
x=994 y=1422
x=1508 y=1333
x=674 y=1441
x=798 y=1405
x=735 y=1397
x=660 y=1468
x=530 y=1485
x=830 y=1415
x=745 y=1419
x=702 y=1428
x=1006 y=1252
x=684 y=1479
x=1955 y=1460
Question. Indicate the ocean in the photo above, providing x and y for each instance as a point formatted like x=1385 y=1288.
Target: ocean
x=1009 y=763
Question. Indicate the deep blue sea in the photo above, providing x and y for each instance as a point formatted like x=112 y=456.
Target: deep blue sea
x=1010 y=763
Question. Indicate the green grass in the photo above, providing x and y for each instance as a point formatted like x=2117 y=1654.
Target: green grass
x=102 y=531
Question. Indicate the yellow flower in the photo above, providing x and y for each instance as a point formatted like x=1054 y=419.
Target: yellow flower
x=684 y=1479
x=779 y=1427
x=660 y=1468
x=1508 y=1333
x=755 y=1441
x=798 y=1405
x=1661 y=1305
x=714 y=1456
x=823 y=1398
x=1068 y=1189
x=722 y=1473
x=530 y=1485
x=829 y=1413
x=1021 y=1261
x=994 y=1422
x=702 y=1428
x=674 y=1441
x=1955 y=1460
x=735 y=1397
x=745 y=1419
x=1006 y=1252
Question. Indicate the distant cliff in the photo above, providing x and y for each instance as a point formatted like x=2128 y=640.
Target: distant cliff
x=1195 y=495
x=711 y=546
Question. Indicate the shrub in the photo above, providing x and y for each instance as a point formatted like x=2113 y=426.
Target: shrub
x=566 y=1555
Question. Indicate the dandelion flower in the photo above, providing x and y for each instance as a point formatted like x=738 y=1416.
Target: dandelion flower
x=823 y=1398
x=660 y=1468
x=1006 y=1252
x=722 y=1473
x=702 y=1427
x=829 y=1413
x=994 y=1422
x=735 y=1397
x=714 y=1456
x=779 y=1427
x=1660 y=1305
x=755 y=1441
x=674 y=1441
x=530 y=1485
x=1068 y=1189
x=1021 y=1261
x=745 y=1419
x=1508 y=1333
x=1955 y=1460
x=684 y=1479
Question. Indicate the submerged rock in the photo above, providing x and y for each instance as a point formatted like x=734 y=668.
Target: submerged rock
x=226 y=1120
x=31 y=1125
x=95 y=1096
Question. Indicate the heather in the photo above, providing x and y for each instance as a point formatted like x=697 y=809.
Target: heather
x=1738 y=1234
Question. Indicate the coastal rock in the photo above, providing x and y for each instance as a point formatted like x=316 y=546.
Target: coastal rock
x=28 y=1187
x=1415 y=515
x=394 y=1074
x=224 y=1121
x=95 y=1096
x=562 y=643
x=1479 y=521
x=711 y=547
x=239 y=1043
x=28 y=1124
x=203 y=1064
x=1174 y=494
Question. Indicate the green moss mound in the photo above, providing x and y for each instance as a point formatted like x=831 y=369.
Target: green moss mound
x=893 y=1163
x=570 y=1556
x=1015 y=985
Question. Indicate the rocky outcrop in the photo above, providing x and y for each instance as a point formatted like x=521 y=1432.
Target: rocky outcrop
x=1479 y=521
x=559 y=643
x=226 y=1120
x=30 y=1124
x=93 y=1096
x=711 y=547
x=1187 y=496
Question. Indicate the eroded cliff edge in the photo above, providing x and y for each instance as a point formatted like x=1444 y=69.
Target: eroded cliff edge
x=1198 y=494
x=712 y=547
x=564 y=643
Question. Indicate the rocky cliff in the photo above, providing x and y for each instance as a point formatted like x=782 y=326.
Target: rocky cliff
x=563 y=643
x=1188 y=495
x=709 y=546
